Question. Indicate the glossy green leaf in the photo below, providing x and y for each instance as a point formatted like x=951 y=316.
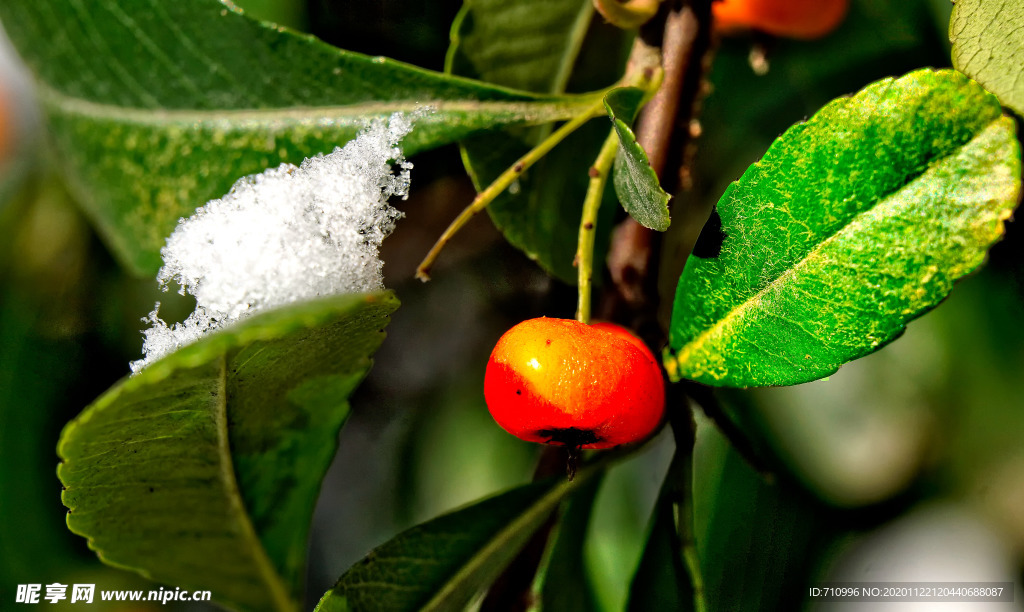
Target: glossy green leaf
x=443 y=563
x=536 y=45
x=202 y=470
x=757 y=542
x=662 y=580
x=988 y=46
x=636 y=183
x=155 y=107
x=745 y=112
x=852 y=224
x=566 y=584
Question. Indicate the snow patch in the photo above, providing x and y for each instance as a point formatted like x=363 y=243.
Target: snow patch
x=286 y=235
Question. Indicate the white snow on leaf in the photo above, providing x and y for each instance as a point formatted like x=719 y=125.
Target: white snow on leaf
x=286 y=235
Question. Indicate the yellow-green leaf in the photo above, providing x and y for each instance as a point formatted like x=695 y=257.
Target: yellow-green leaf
x=988 y=46
x=852 y=224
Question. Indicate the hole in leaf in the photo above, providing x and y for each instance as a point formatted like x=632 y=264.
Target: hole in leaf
x=709 y=243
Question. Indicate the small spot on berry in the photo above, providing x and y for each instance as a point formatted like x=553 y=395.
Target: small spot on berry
x=519 y=391
x=548 y=341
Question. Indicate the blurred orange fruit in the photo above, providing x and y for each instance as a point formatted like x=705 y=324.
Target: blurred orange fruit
x=788 y=18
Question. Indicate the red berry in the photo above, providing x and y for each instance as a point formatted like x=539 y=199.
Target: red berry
x=558 y=381
x=789 y=18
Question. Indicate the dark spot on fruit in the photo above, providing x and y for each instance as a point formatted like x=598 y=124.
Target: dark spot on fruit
x=570 y=436
x=588 y=225
x=519 y=391
x=709 y=243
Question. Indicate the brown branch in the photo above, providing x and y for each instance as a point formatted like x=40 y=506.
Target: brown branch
x=666 y=131
x=657 y=126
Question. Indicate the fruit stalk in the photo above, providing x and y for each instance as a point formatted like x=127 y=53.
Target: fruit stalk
x=588 y=223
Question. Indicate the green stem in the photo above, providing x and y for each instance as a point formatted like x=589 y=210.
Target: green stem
x=681 y=472
x=588 y=222
x=690 y=555
x=504 y=180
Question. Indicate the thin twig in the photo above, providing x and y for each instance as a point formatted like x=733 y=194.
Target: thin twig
x=657 y=125
x=504 y=180
x=588 y=222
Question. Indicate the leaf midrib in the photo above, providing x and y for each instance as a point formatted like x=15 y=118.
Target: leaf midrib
x=278 y=591
x=697 y=342
x=572 y=50
x=544 y=505
x=530 y=111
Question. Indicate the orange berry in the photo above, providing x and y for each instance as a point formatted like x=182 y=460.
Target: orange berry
x=558 y=381
x=790 y=18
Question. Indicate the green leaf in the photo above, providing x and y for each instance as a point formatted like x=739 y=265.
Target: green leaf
x=662 y=581
x=443 y=563
x=852 y=224
x=566 y=585
x=154 y=108
x=988 y=46
x=745 y=112
x=202 y=470
x=536 y=45
x=636 y=183
x=758 y=543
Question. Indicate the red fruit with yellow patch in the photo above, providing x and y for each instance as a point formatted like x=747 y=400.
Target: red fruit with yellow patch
x=558 y=381
x=790 y=18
